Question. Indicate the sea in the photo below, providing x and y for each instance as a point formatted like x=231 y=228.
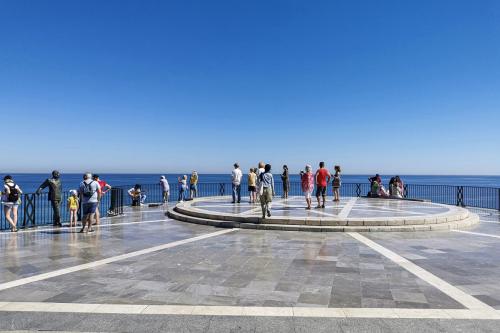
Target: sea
x=29 y=182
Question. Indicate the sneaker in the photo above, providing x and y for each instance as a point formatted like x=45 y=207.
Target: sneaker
x=268 y=213
x=323 y=206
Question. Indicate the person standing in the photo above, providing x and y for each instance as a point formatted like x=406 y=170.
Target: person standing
x=193 y=185
x=252 y=185
x=285 y=178
x=322 y=179
x=105 y=187
x=11 y=198
x=336 y=183
x=307 y=184
x=236 y=176
x=90 y=194
x=73 y=204
x=267 y=191
x=258 y=171
x=182 y=182
x=55 y=189
x=165 y=187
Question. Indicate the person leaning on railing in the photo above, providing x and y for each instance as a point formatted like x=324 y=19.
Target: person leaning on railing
x=55 y=189
x=165 y=188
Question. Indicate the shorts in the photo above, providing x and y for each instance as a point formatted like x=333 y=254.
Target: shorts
x=308 y=194
x=321 y=191
x=89 y=208
x=193 y=187
x=267 y=195
x=252 y=189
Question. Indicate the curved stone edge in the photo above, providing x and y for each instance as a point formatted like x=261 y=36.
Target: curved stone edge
x=470 y=221
x=455 y=214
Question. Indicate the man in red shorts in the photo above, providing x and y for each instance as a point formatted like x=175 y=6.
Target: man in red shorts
x=322 y=179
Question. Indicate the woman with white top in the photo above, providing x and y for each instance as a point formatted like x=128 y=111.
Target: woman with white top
x=11 y=198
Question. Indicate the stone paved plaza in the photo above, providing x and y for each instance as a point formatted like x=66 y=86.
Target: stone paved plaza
x=145 y=272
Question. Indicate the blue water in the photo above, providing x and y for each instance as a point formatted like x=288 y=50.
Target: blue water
x=29 y=182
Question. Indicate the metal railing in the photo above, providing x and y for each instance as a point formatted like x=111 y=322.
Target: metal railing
x=36 y=210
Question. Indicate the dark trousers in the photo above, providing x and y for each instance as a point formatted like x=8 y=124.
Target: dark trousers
x=56 y=209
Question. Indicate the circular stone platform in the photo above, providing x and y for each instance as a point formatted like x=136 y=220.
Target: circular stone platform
x=349 y=215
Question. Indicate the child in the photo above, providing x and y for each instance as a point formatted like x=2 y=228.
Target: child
x=252 y=185
x=73 y=204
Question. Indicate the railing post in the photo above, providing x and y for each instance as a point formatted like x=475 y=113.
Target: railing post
x=29 y=216
x=405 y=191
x=498 y=198
x=222 y=189
x=358 y=189
x=460 y=196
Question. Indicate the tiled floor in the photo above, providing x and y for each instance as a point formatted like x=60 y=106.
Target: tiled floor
x=245 y=269
x=347 y=207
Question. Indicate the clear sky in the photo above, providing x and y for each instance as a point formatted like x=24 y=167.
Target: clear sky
x=408 y=87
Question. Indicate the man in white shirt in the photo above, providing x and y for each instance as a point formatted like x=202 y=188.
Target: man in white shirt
x=236 y=176
x=165 y=188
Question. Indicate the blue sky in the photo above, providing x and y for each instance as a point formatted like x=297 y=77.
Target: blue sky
x=408 y=87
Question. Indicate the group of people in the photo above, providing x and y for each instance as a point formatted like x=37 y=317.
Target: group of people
x=321 y=179
x=261 y=185
x=183 y=188
x=377 y=189
x=88 y=196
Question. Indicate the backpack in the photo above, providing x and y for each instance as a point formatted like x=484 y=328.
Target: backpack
x=13 y=196
x=88 y=192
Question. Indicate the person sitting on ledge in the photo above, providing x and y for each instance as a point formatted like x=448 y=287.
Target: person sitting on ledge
x=137 y=196
x=397 y=188
x=374 y=186
x=382 y=192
